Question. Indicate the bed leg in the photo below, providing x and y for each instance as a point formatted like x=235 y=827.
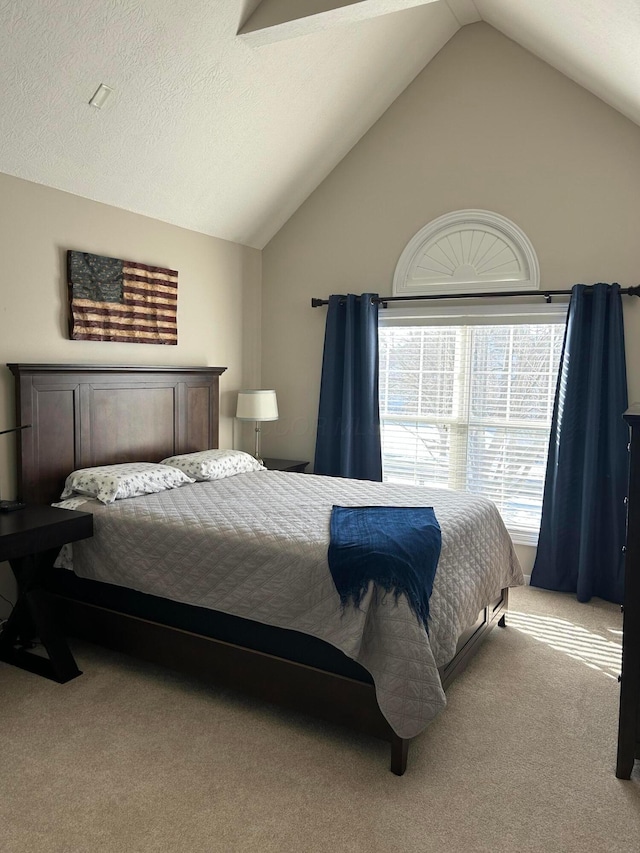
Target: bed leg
x=399 y=753
x=502 y=621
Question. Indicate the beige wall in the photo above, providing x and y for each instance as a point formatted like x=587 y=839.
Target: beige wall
x=218 y=302
x=486 y=125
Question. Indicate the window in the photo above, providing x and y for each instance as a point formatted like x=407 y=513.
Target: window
x=467 y=251
x=466 y=401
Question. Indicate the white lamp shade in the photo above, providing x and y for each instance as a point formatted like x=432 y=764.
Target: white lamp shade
x=257 y=406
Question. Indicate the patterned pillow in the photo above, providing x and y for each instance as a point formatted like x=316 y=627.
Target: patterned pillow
x=214 y=464
x=110 y=483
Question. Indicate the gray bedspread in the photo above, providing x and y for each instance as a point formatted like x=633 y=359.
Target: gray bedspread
x=255 y=545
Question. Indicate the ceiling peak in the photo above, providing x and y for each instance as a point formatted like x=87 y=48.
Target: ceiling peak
x=465 y=11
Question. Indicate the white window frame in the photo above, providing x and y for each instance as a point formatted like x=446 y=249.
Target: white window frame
x=472 y=315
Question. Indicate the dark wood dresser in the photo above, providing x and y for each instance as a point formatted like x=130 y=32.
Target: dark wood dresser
x=629 y=725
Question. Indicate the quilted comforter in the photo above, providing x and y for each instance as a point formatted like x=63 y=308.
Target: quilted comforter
x=255 y=545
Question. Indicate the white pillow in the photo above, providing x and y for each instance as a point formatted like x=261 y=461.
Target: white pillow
x=215 y=464
x=110 y=483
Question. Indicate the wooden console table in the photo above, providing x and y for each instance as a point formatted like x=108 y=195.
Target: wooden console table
x=30 y=539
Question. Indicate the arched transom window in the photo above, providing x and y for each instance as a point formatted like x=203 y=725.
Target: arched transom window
x=467 y=251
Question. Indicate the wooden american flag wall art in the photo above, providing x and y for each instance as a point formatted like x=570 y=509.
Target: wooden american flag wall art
x=114 y=300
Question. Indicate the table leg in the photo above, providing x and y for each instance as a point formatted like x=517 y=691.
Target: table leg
x=33 y=617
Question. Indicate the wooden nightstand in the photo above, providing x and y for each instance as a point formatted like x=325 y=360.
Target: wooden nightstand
x=30 y=539
x=284 y=465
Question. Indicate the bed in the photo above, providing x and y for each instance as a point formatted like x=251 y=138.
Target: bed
x=262 y=615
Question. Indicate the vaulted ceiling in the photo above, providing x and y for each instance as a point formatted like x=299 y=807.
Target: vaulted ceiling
x=226 y=114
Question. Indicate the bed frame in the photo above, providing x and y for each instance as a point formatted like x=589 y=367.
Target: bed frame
x=85 y=415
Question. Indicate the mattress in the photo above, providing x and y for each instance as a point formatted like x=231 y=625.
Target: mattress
x=255 y=546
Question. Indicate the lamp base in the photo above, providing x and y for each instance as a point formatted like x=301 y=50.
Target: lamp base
x=256 y=454
x=11 y=506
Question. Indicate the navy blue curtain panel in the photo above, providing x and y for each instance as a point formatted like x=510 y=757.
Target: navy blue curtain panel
x=584 y=510
x=348 y=439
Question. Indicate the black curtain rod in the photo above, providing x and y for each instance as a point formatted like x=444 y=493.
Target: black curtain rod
x=548 y=295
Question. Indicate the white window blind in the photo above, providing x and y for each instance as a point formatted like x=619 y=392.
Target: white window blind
x=468 y=405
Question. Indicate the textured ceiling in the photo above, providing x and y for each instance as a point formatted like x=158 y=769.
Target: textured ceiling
x=228 y=134
x=594 y=42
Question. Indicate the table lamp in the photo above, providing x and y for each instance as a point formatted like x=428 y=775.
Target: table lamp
x=257 y=406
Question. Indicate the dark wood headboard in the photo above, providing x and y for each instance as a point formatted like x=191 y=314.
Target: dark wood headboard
x=84 y=414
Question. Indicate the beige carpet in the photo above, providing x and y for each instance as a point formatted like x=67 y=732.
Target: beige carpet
x=133 y=758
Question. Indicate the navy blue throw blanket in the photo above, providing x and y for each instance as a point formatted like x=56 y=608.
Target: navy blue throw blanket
x=397 y=547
